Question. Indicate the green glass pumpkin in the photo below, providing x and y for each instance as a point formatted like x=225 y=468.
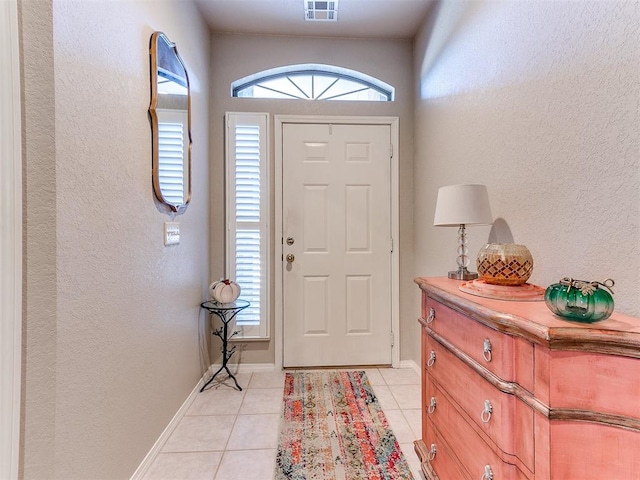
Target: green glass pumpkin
x=580 y=301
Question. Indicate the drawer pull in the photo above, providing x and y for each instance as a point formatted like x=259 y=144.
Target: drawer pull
x=432 y=405
x=488 y=474
x=485 y=416
x=432 y=452
x=432 y=359
x=486 y=350
x=432 y=315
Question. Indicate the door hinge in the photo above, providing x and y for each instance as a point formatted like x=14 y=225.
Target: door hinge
x=391 y=150
x=392 y=338
x=392 y=245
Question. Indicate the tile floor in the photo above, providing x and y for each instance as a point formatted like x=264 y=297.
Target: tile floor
x=233 y=435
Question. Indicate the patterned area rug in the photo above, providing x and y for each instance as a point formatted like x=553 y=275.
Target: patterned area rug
x=333 y=428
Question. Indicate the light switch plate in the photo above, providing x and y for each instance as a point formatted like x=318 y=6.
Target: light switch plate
x=171 y=233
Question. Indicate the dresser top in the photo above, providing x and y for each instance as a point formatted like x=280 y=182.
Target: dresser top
x=619 y=334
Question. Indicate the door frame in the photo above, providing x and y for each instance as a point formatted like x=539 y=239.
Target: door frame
x=10 y=241
x=393 y=123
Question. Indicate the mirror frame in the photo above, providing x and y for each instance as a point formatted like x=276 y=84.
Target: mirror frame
x=171 y=207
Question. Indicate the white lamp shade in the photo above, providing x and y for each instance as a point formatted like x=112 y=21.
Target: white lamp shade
x=462 y=205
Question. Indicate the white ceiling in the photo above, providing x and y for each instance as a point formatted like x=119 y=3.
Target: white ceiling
x=356 y=18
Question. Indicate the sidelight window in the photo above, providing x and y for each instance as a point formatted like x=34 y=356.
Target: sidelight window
x=247 y=216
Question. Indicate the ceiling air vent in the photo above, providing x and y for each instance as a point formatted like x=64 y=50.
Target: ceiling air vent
x=320 y=11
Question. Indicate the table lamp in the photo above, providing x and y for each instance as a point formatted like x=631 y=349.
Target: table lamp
x=459 y=206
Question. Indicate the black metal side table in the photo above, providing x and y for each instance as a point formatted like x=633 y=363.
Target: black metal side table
x=226 y=312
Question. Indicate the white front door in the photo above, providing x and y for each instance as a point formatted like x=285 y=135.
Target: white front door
x=336 y=226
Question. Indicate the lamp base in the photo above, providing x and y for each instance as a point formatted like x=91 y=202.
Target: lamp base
x=462 y=274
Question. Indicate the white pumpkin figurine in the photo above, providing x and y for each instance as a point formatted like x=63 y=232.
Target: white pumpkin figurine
x=224 y=291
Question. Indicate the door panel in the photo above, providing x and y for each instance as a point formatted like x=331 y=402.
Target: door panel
x=337 y=209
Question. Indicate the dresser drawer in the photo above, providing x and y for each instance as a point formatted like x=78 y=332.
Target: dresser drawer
x=607 y=453
x=504 y=419
x=608 y=383
x=464 y=443
x=510 y=358
x=439 y=459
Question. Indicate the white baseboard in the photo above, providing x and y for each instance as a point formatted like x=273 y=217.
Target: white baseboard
x=246 y=367
x=164 y=436
x=411 y=364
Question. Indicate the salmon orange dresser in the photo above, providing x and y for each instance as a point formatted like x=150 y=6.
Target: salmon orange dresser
x=509 y=391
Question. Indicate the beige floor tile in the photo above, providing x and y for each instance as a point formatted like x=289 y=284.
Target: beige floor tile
x=184 y=466
x=374 y=376
x=223 y=382
x=412 y=459
x=262 y=400
x=400 y=376
x=267 y=380
x=200 y=434
x=217 y=402
x=414 y=419
x=400 y=427
x=247 y=465
x=236 y=432
x=255 y=432
x=386 y=399
x=407 y=396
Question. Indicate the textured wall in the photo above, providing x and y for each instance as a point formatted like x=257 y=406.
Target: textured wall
x=235 y=56
x=39 y=250
x=111 y=314
x=538 y=100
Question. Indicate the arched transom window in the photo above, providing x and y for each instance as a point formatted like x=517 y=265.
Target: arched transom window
x=313 y=82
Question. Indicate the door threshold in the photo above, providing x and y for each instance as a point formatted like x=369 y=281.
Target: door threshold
x=339 y=367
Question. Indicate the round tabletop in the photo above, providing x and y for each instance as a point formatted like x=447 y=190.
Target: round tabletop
x=214 y=306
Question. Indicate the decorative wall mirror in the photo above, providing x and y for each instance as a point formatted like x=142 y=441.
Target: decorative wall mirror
x=170 y=115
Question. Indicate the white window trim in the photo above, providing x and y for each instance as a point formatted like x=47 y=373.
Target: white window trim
x=262 y=331
x=10 y=241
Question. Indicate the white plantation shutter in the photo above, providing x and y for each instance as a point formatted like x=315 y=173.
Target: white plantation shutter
x=248 y=241
x=171 y=169
x=248 y=274
x=247 y=178
x=247 y=216
x=171 y=154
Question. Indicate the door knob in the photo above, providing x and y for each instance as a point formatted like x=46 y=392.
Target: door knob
x=290 y=258
x=290 y=241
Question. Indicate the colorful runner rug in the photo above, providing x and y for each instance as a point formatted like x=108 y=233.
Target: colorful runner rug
x=333 y=428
